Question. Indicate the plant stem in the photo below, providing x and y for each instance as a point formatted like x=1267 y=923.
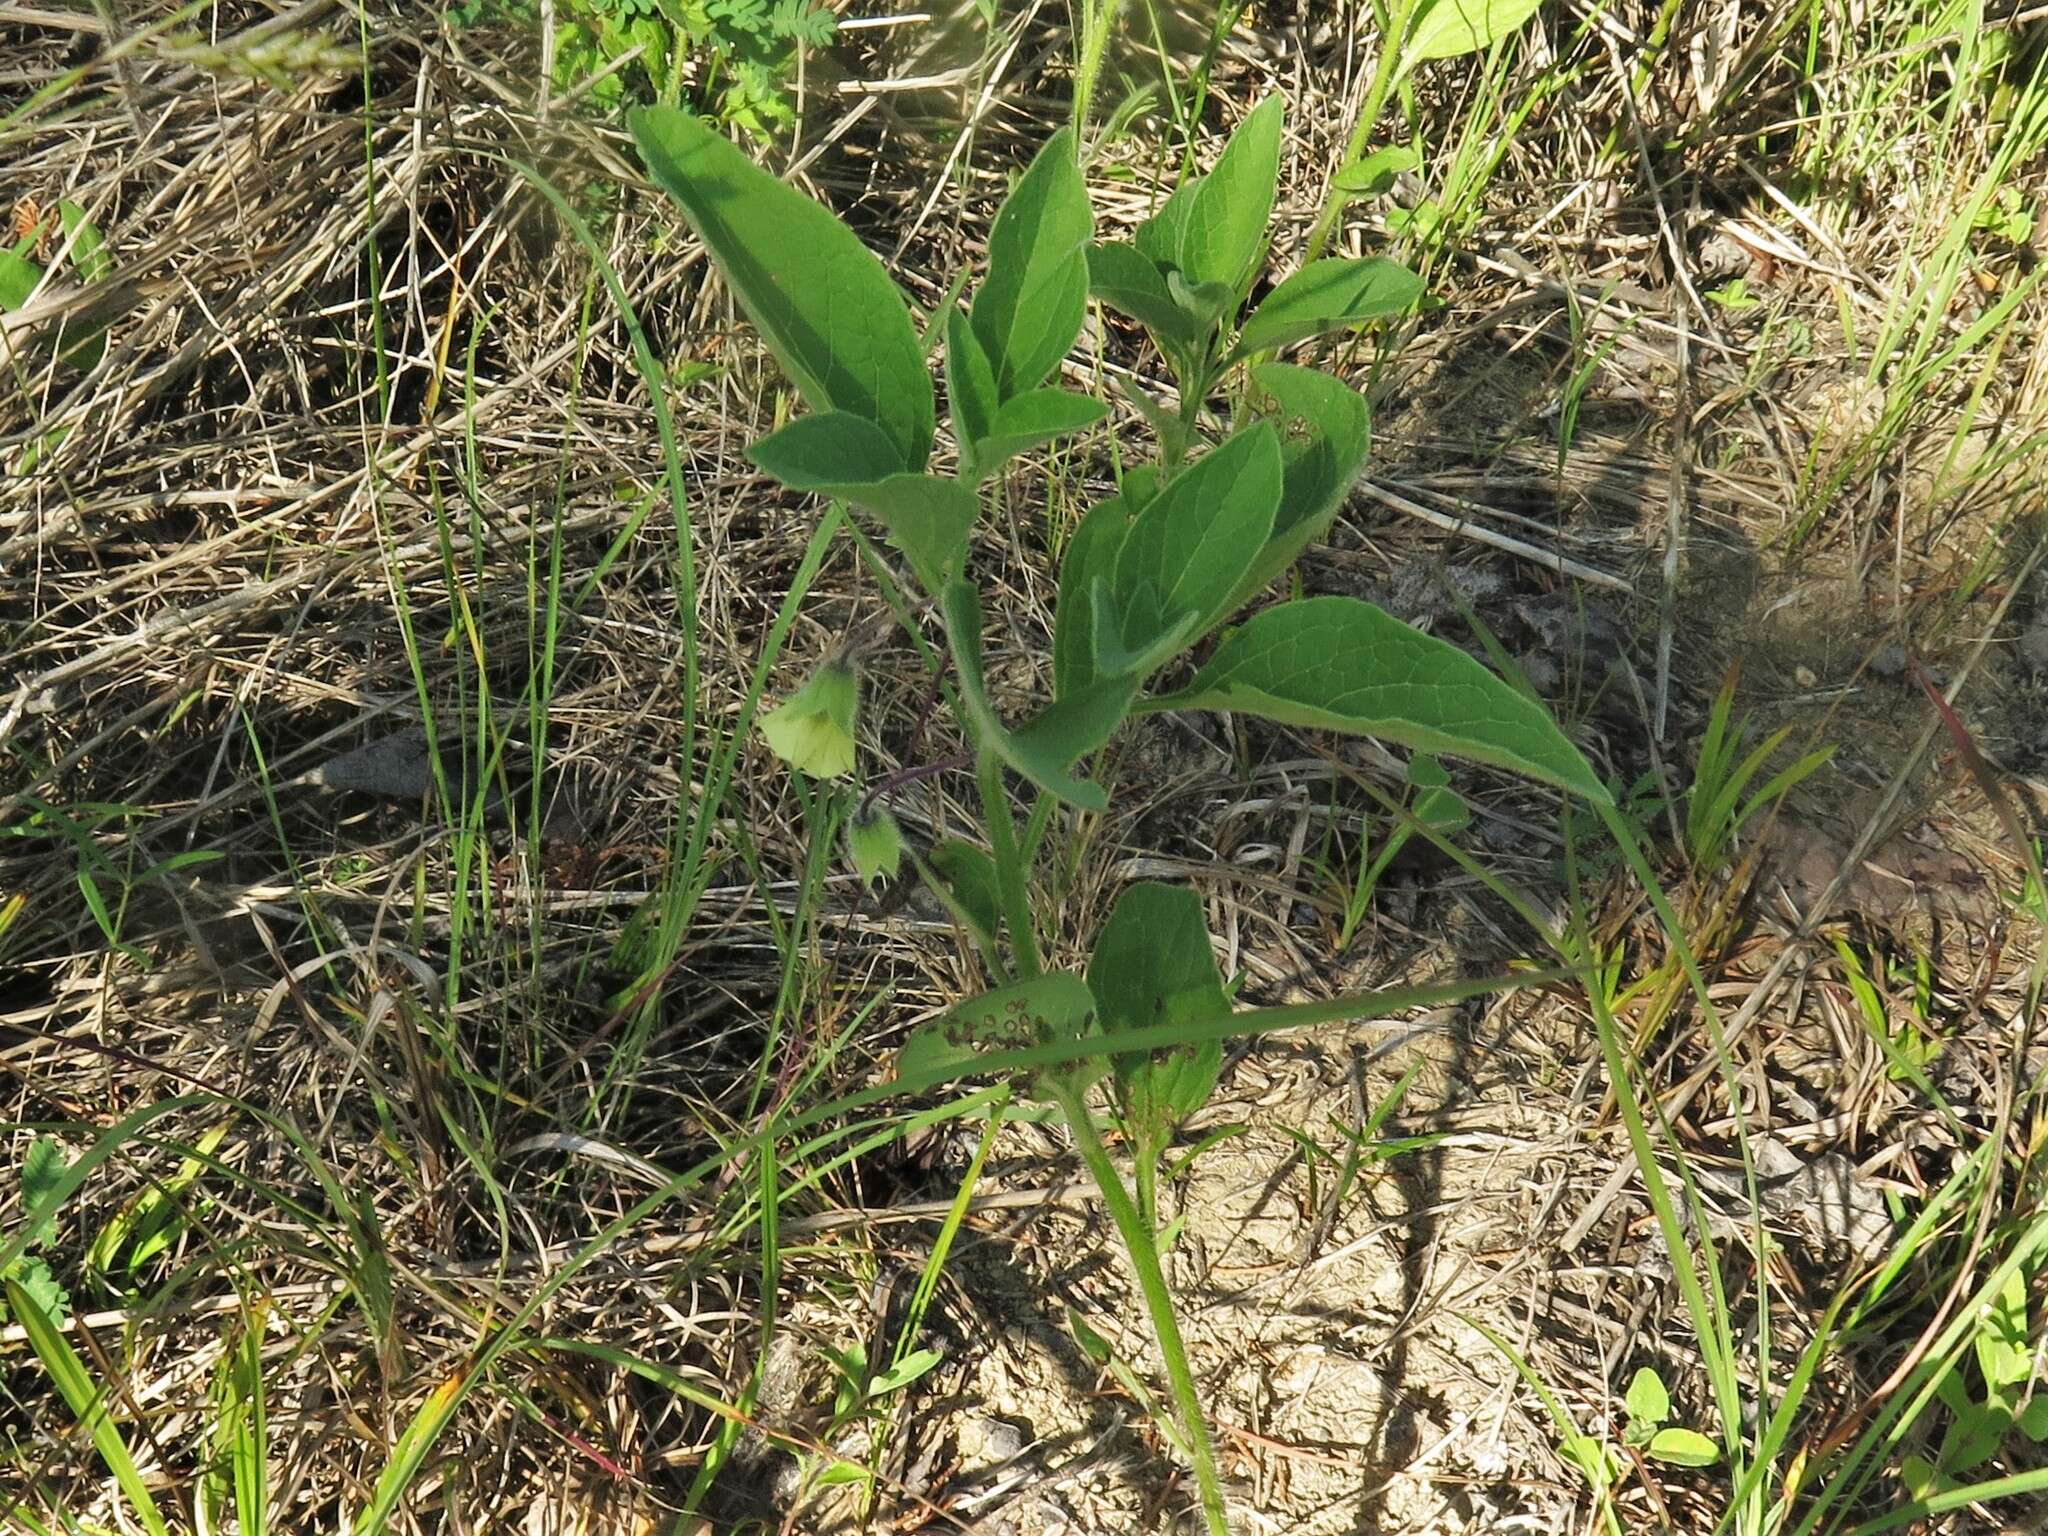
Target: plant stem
x=1098 y=17
x=1009 y=860
x=1384 y=71
x=1142 y=1247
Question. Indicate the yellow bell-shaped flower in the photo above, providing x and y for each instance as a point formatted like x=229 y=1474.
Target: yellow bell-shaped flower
x=812 y=730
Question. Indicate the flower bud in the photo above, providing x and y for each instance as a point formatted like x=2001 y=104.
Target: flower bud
x=812 y=730
x=875 y=843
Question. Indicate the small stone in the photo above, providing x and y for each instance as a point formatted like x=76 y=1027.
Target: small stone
x=1805 y=676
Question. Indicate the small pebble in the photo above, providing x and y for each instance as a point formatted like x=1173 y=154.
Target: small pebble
x=1805 y=676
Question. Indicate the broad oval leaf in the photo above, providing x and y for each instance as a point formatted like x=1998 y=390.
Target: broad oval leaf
x=1325 y=433
x=1190 y=548
x=1091 y=554
x=1034 y=418
x=1370 y=175
x=829 y=312
x=1153 y=965
x=970 y=383
x=1648 y=1403
x=1055 y=1005
x=1130 y=282
x=1682 y=1448
x=1345 y=665
x=1214 y=228
x=927 y=517
x=1328 y=295
x=1030 y=307
x=825 y=450
x=1448 y=29
x=970 y=878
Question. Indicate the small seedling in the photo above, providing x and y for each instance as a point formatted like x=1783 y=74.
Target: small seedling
x=1434 y=807
x=1147 y=576
x=1715 y=808
x=40 y=1172
x=1651 y=1432
x=1909 y=1043
x=1985 y=1415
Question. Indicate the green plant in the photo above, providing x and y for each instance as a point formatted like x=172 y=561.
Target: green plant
x=732 y=58
x=1715 y=808
x=1984 y=1414
x=1435 y=807
x=1146 y=577
x=76 y=342
x=1651 y=1431
x=41 y=1170
x=1412 y=32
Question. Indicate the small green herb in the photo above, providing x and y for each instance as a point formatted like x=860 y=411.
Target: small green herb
x=1149 y=573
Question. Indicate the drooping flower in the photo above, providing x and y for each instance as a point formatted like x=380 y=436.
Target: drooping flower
x=812 y=730
x=876 y=845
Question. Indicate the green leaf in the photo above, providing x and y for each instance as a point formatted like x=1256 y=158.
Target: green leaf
x=821 y=300
x=824 y=451
x=2005 y=1355
x=1447 y=29
x=1213 y=230
x=1042 y=757
x=88 y=248
x=1191 y=548
x=970 y=877
x=834 y=453
x=1342 y=664
x=1682 y=1448
x=1375 y=174
x=1328 y=295
x=1591 y=1457
x=2033 y=1419
x=1648 y=1404
x=970 y=384
x=35 y=1278
x=1153 y=965
x=241 y=1437
x=900 y=1375
x=1132 y=284
x=1092 y=550
x=1030 y=308
x=1055 y=1005
x=42 y=1173
x=1974 y=1437
x=1033 y=418
x=18 y=279
x=1325 y=433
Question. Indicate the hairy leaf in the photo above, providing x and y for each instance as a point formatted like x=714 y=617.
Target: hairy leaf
x=1029 y=309
x=970 y=383
x=1153 y=965
x=829 y=312
x=1092 y=550
x=833 y=453
x=1213 y=230
x=1345 y=665
x=1131 y=283
x=1056 y=1005
x=1325 y=431
x=1034 y=418
x=1328 y=295
x=1190 y=548
x=1447 y=29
